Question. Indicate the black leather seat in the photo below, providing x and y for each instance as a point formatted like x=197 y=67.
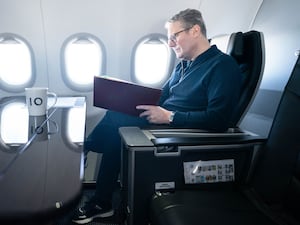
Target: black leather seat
x=271 y=197
x=248 y=50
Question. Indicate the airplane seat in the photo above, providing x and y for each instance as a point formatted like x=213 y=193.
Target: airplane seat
x=272 y=195
x=293 y=197
x=248 y=51
x=172 y=146
x=235 y=46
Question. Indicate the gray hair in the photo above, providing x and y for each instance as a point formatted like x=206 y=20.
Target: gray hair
x=189 y=18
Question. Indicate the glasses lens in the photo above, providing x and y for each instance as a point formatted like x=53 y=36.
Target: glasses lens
x=174 y=36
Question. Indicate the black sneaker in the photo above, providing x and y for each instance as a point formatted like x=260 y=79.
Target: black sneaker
x=91 y=211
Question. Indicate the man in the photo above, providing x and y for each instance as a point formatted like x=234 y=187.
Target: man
x=201 y=93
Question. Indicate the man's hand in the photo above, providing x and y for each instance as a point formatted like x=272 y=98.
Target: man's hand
x=155 y=114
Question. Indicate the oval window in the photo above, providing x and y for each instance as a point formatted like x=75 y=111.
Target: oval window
x=83 y=57
x=16 y=60
x=153 y=60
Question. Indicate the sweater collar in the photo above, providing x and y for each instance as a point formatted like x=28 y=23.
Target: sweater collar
x=212 y=51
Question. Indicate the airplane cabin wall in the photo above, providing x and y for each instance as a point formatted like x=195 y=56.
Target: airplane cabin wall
x=46 y=24
x=24 y=19
x=225 y=17
x=280 y=23
x=118 y=24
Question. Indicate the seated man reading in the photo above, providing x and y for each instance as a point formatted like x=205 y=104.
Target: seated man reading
x=201 y=93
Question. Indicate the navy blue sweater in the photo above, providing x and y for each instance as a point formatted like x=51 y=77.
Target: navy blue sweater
x=203 y=92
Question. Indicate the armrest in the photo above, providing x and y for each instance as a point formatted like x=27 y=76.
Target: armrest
x=135 y=136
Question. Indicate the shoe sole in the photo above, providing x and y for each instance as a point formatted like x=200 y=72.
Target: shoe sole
x=87 y=220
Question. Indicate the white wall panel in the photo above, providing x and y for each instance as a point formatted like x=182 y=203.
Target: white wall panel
x=280 y=22
x=223 y=17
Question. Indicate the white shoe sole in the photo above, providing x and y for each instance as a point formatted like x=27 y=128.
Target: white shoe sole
x=87 y=220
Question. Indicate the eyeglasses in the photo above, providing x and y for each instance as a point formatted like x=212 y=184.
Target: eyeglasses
x=174 y=36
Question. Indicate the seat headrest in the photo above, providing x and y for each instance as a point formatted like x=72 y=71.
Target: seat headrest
x=235 y=46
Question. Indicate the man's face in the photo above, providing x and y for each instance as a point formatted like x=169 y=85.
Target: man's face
x=180 y=40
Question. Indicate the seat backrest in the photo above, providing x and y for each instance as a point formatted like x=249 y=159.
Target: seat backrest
x=277 y=177
x=248 y=50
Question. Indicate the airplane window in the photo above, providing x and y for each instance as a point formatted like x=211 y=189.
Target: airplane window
x=16 y=71
x=14 y=123
x=153 y=60
x=83 y=58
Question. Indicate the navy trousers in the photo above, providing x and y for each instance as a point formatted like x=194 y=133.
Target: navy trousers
x=105 y=139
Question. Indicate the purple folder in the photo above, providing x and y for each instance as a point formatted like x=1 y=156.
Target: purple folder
x=122 y=96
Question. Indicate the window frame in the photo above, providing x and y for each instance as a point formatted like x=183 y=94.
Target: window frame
x=170 y=63
x=20 y=88
x=9 y=147
x=72 y=85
